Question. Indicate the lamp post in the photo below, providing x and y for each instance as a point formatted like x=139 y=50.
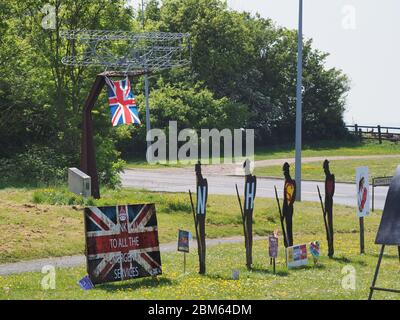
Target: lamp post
x=299 y=102
x=146 y=88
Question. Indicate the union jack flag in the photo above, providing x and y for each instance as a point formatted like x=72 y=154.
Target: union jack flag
x=122 y=102
x=122 y=242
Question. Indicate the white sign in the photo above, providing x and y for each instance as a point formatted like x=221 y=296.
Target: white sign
x=296 y=256
x=363 y=198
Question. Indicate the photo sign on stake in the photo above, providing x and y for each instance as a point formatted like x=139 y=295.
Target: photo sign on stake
x=296 y=256
x=121 y=242
x=273 y=246
x=183 y=240
x=362 y=185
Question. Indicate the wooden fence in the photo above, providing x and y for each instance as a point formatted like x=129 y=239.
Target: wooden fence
x=379 y=133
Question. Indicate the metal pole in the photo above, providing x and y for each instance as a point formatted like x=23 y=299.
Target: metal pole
x=378 y=265
x=146 y=92
x=299 y=102
x=146 y=88
x=142 y=14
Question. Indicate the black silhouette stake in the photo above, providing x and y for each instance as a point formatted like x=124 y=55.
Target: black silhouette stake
x=201 y=205
x=389 y=228
x=329 y=193
x=250 y=187
x=289 y=196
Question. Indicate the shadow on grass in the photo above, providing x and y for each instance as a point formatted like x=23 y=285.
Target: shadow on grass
x=341 y=259
x=280 y=273
x=146 y=282
x=217 y=277
x=385 y=256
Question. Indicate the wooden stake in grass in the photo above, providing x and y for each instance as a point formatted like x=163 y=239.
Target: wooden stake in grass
x=246 y=244
x=281 y=218
x=328 y=237
x=362 y=242
x=196 y=224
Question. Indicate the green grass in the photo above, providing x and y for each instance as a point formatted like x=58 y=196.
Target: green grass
x=317 y=149
x=323 y=281
x=329 y=148
x=31 y=230
x=344 y=170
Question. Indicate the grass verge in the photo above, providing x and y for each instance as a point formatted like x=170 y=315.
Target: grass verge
x=316 y=149
x=31 y=230
x=344 y=170
x=331 y=279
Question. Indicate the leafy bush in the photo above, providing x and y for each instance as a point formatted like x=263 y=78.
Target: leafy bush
x=57 y=196
x=178 y=205
x=36 y=166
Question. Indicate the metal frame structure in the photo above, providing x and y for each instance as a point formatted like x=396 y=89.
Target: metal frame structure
x=127 y=51
x=378 y=266
x=121 y=54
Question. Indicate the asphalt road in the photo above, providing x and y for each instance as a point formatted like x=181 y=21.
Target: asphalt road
x=183 y=179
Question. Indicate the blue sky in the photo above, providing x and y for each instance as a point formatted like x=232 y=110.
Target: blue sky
x=363 y=39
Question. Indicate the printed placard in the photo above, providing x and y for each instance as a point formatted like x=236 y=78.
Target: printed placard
x=296 y=256
x=183 y=240
x=315 y=250
x=273 y=246
x=363 y=197
x=122 y=242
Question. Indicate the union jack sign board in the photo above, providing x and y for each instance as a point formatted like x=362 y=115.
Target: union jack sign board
x=122 y=242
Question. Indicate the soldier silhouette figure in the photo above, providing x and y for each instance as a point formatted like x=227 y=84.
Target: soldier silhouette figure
x=250 y=186
x=289 y=196
x=201 y=206
x=329 y=193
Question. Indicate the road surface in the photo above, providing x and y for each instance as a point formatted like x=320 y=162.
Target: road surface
x=183 y=179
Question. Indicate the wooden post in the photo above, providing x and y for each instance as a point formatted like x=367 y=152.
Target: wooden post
x=184 y=263
x=379 y=134
x=274 y=265
x=88 y=152
x=356 y=129
x=373 y=195
x=398 y=249
x=362 y=247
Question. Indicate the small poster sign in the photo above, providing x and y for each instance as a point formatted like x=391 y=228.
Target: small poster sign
x=85 y=283
x=315 y=250
x=183 y=240
x=362 y=185
x=122 y=242
x=273 y=246
x=296 y=256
